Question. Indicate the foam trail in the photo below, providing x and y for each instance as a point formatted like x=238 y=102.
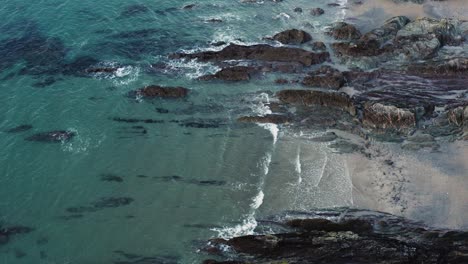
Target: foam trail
x=248 y=225
x=323 y=170
x=298 y=165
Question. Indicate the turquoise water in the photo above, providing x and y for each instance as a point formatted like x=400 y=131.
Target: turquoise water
x=187 y=184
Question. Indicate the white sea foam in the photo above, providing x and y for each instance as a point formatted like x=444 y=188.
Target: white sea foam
x=257 y=201
x=192 y=69
x=298 y=165
x=247 y=227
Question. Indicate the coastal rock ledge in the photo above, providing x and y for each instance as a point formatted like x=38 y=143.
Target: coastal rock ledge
x=344 y=236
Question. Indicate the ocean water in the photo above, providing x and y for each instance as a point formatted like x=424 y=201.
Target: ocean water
x=187 y=184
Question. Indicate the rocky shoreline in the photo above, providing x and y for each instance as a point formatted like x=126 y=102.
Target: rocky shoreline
x=343 y=236
x=403 y=82
x=398 y=79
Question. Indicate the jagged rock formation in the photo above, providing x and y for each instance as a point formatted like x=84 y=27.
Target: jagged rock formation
x=344 y=236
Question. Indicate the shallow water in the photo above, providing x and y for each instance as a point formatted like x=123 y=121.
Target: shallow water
x=188 y=184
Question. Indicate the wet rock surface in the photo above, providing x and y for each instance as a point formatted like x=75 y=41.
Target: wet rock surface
x=236 y=73
x=344 y=236
x=344 y=31
x=293 y=37
x=325 y=77
x=259 y=52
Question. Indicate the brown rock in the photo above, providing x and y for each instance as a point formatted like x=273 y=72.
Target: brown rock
x=293 y=37
x=319 y=46
x=260 y=52
x=344 y=31
x=325 y=77
x=281 y=81
x=308 y=98
x=236 y=73
x=381 y=116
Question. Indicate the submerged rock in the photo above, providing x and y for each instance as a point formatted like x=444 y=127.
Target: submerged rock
x=293 y=37
x=237 y=73
x=103 y=203
x=52 y=136
x=259 y=52
x=133 y=10
x=156 y=91
x=20 y=128
x=7 y=232
x=270 y=118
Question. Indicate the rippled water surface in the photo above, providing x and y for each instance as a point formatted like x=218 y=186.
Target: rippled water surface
x=170 y=186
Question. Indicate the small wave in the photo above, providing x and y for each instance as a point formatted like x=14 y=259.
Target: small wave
x=192 y=69
x=257 y=201
x=79 y=144
x=246 y=228
x=298 y=165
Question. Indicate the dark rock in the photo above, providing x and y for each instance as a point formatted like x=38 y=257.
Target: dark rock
x=137 y=120
x=269 y=118
x=214 y=20
x=237 y=73
x=281 y=81
x=44 y=83
x=319 y=46
x=370 y=44
x=102 y=70
x=328 y=99
x=112 y=202
x=195 y=124
x=111 y=178
x=79 y=65
x=354 y=236
x=298 y=10
x=189 y=6
x=355 y=225
x=52 y=136
x=7 y=232
x=133 y=10
x=258 y=52
x=317 y=11
x=325 y=77
x=20 y=128
x=207 y=182
x=156 y=91
x=161 y=110
x=293 y=37
x=19 y=253
x=344 y=31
